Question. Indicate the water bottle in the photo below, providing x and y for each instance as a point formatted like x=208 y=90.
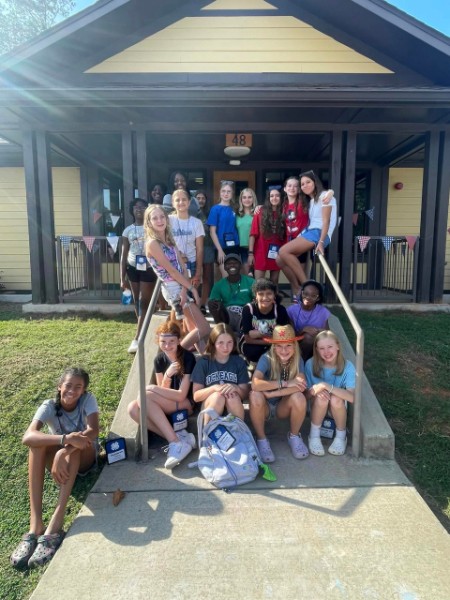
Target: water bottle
x=126 y=297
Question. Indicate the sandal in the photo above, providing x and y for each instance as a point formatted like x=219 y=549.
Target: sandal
x=46 y=547
x=338 y=446
x=21 y=555
x=315 y=446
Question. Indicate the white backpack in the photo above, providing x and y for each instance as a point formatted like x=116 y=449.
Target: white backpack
x=228 y=452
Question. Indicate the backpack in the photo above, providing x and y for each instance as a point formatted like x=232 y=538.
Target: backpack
x=228 y=453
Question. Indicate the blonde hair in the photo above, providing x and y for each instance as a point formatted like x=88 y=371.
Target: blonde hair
x=216 y=331
x=318 y=364
x=241 y=210
x=275 y=363
x=150 y=233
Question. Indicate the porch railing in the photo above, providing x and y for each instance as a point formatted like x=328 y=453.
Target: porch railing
x=385 y=269
x=88 y=268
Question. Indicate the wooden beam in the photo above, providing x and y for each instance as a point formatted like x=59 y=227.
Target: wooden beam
x=336 y=185
x=428 y=216
x=34 y=218
x=440 y=224
x=346 y=227
x=127 y=173
x=141 y=159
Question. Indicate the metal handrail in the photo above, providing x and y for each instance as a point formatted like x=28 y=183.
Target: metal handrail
x=142 y=379
x=356 y=425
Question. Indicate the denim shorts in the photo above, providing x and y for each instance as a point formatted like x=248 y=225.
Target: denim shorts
x=313 y=235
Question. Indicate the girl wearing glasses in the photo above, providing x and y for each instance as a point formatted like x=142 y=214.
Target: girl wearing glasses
x=222 y=226
x=309 y=317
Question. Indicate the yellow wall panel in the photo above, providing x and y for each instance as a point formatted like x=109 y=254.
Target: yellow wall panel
x=239 y=5
x=241 y=44
x=67 y=201
x=404 y=206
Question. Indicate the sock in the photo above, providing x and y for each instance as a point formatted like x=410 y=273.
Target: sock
x=315 y=431
x=294 y=435
x=341 y=435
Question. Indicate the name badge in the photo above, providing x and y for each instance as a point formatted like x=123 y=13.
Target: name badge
x=222 y=438
x=141 y=262
x=229 y=240
x=272 y=252
x=179 y=419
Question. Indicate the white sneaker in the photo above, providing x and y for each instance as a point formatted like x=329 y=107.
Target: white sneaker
x=185 y=436
x=133 y=347
x=176 y=453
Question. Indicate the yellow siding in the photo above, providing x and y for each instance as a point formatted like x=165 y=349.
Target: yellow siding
x=240 y=5
x=14 y=239
x=404 y=206
x=239 y=45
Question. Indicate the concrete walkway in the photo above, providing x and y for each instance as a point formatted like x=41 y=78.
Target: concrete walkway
x=329 y=528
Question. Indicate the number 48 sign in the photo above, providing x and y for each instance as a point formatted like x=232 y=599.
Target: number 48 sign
x=239 y=139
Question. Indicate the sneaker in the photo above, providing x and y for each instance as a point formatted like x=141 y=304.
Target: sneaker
x=185 y=436
x=298 y=447
x=338 y=446
x=316 y=446
x=133 y=347
x=267 y=456
x=176 y=453
x=46 y=547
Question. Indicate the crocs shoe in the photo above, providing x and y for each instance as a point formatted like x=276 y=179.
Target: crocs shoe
x=315 y=446
x=338 y=446
x=46 y=547
x=267 y=456
x=298 y=447
x=22 y=554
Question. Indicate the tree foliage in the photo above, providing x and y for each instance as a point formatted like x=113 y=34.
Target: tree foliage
x=21 y=20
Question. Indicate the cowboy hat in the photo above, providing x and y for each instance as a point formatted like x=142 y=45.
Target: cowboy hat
x=283 y=334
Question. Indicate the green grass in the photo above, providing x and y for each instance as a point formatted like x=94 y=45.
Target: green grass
x=33 y=353
x=407 y=358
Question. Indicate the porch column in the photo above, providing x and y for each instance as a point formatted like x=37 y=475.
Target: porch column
x=346 y=226
x=34 y=217
x=440 y=224
x=141 y=159
x=127 y=174
x=428 y=216
x=336 y=185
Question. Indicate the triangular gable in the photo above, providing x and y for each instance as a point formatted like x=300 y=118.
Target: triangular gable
x=240 y=5
x=239 y=44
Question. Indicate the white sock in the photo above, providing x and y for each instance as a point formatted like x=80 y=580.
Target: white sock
x=315 y=431
x=341 y=435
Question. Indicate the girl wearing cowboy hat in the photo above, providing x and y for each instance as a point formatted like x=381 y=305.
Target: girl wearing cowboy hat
x=277 y=390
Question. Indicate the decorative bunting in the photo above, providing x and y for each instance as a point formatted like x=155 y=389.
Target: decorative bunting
x=96 y=216
x=89 y=241
x=363 y=241
x=370 y=213
x=114 y=219
x=411 y=239
x=113 y=240
x=355 y=219
x=65 y=241
x=387 y=241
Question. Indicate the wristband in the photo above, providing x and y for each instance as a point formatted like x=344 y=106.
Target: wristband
x=62 y=441
x=249 y=252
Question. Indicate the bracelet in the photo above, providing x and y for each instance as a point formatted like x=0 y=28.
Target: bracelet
x=168 y=376
x=331 y=389
x=62 y=441
x=249 y=252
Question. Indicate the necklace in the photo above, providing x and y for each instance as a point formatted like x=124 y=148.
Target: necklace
x=285 y=369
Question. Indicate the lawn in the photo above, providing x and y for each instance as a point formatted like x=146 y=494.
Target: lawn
x=33 y=353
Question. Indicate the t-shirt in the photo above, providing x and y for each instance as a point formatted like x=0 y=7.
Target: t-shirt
x=264 y=366
x=162 y=363
x=67 y=422
x=233 y=294
x=296 y=219
x=136 y=237
x=185 y=233
x=346 y=380
x=315 y=214
x=301 y=318
x=209 y=372
x=261 y=322
x=243 y=225
x=224 y=220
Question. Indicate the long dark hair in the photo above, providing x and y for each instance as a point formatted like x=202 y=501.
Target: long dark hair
x=71 y=372
x=272 y=218
x=318 y=186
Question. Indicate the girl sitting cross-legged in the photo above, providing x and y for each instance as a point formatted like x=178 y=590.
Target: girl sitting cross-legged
x=277 y=391
x=173 y=367
x=331 y=384
x=69 y=447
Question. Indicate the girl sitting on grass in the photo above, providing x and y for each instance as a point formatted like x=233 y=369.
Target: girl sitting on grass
x=331 y=384
x=173 y=367
x=68 y=448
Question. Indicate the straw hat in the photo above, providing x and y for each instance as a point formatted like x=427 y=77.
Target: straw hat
x=283 y=334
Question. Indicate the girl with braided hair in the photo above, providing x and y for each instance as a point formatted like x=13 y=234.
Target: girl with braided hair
x=68 y=447
x=172 y=393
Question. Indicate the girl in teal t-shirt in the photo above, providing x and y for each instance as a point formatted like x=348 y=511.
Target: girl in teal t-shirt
x=244 y=218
